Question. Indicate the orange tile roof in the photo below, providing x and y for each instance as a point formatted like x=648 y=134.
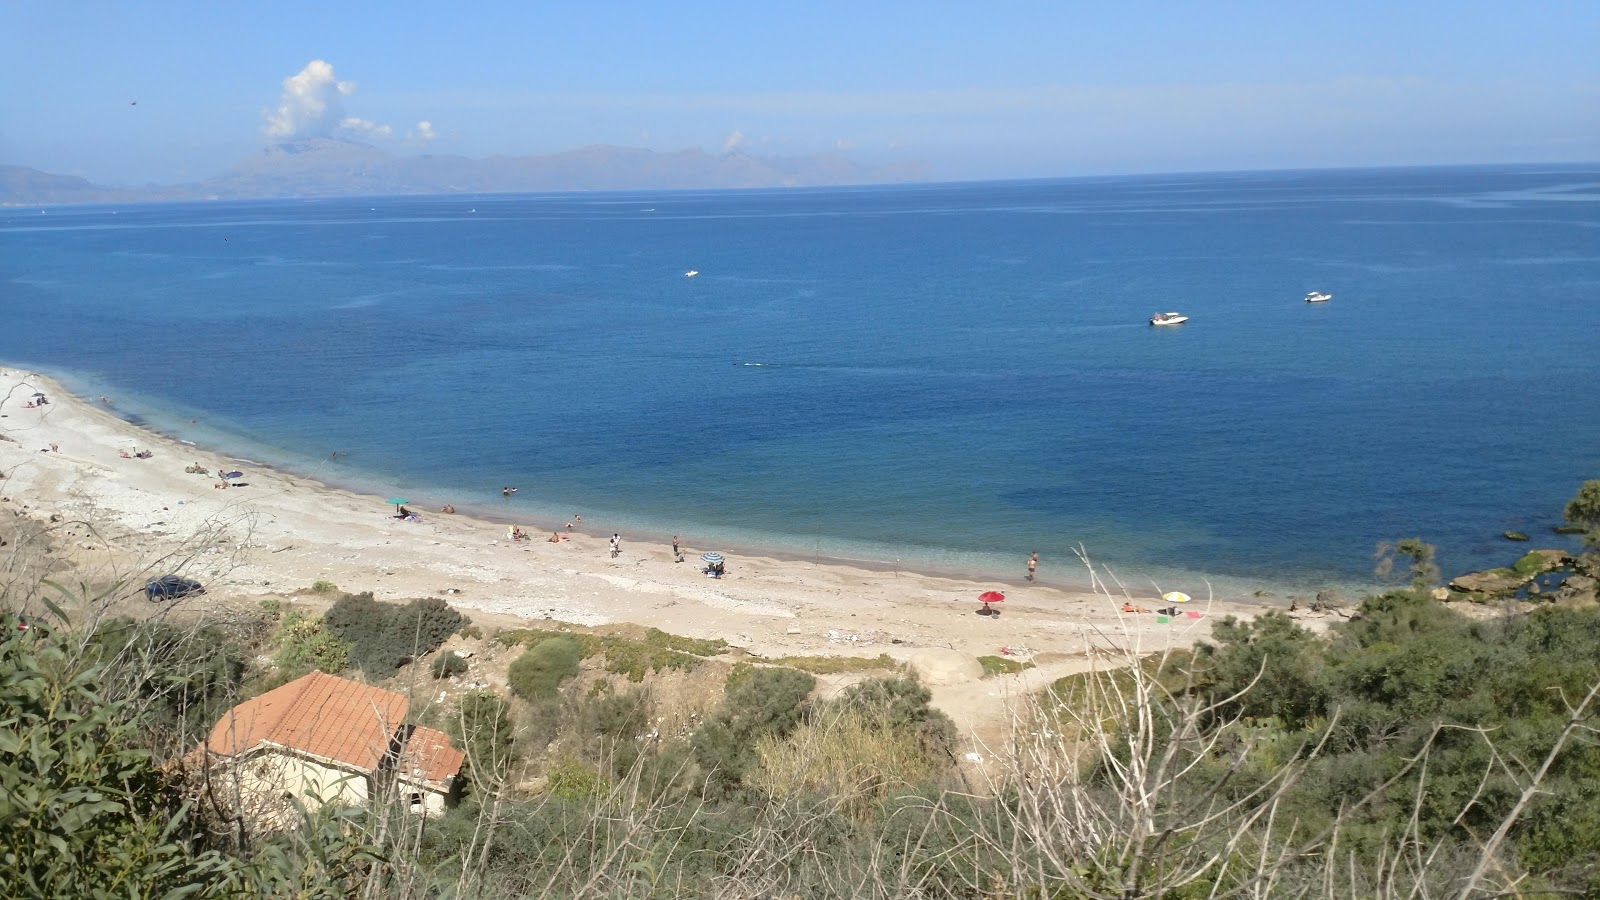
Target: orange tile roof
x=429 y=757
x=324 y=716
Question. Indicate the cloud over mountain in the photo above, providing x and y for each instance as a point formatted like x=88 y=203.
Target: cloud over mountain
x=312 y=106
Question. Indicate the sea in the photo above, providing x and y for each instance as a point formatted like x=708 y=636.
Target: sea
x=937 y=377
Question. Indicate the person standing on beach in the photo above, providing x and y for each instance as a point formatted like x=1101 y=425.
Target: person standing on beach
x=676 y=554
x=616 y=545
x=1033 y=564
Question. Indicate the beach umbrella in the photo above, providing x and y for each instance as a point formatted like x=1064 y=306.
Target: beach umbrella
x=988 y=597
x=38 y=394
x=238 y=474
x=1175 y=597
x=398 y=502
x=711 y=557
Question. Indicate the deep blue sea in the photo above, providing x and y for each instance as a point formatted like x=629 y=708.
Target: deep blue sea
x=942 y=377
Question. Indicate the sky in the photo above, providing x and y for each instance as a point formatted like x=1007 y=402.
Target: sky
x=165 y=92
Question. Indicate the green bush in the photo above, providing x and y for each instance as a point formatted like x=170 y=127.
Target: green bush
x=612 y=725
x=902 y=704
x=448 y=665
x=86 y=811
x=324 y=587
x=657 y=652
x=305 y=644
x=759 y=702
x=538 y=672
x=385 y=636
x=481 y=728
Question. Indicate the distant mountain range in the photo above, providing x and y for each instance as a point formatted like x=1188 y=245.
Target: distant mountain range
x=322 y=167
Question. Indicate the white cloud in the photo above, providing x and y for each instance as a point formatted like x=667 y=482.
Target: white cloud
x=733 y=141
x=365 y=128
x=312 y=105
x=425 y=131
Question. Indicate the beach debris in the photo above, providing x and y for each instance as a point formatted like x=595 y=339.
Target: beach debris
x=792 y=631
x=973 y=758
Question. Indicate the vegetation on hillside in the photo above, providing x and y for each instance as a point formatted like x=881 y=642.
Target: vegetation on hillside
x=1408 y=751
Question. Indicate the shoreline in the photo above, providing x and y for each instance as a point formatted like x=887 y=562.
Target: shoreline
x=1062 y=570
x=285 y=531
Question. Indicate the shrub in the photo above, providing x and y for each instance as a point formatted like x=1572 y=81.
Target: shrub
x=307 y=645
x=844 y=754
x=481 y=728
x=324 y=587
x=657 y=652
x=385 y=636
x=570 y=779
x=273 y=608
x=537 y=673
x=759 y=701
x=87 y=812
x=448 y=665
x=901 y=704
x=612 y=725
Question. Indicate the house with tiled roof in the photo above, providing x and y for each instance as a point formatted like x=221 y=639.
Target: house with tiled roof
x=325 y=739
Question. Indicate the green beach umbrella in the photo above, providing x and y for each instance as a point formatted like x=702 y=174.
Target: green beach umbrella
x=398 y=502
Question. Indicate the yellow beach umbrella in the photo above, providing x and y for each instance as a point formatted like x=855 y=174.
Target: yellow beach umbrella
x=1175 y=597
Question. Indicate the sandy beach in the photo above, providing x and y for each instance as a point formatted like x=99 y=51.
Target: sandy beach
x=277 y=533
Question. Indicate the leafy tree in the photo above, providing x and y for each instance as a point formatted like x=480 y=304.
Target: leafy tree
x=1584 y=509
x=1423 y=571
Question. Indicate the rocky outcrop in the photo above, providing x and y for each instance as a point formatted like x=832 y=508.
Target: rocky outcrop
x=1502 y=581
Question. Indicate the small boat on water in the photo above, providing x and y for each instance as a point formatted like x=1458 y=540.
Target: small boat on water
x=691 y=273
x=1168 y=318
x=1318 y=297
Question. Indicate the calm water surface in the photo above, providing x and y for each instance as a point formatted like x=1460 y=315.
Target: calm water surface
x=944 y=376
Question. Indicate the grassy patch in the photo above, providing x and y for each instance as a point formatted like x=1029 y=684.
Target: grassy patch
x=657 y=652
x=655 y=637
x=1000 y=665
x=833 y=665
x=324 y=587
x=1529 y=564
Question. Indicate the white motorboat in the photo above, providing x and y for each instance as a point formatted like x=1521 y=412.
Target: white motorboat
x=691 y=273
x=1168 y=318
x=1318 y=297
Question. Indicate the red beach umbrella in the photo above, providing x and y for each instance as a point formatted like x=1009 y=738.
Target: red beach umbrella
x=988 y=597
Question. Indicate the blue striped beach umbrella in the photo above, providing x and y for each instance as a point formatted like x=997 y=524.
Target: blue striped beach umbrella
x=711 y=557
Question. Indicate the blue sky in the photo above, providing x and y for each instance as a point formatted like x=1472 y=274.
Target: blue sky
x=978 y=90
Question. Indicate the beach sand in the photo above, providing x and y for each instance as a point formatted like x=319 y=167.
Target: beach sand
x=281 y=533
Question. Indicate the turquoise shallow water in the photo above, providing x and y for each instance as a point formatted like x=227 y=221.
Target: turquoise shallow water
x=949 y=376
